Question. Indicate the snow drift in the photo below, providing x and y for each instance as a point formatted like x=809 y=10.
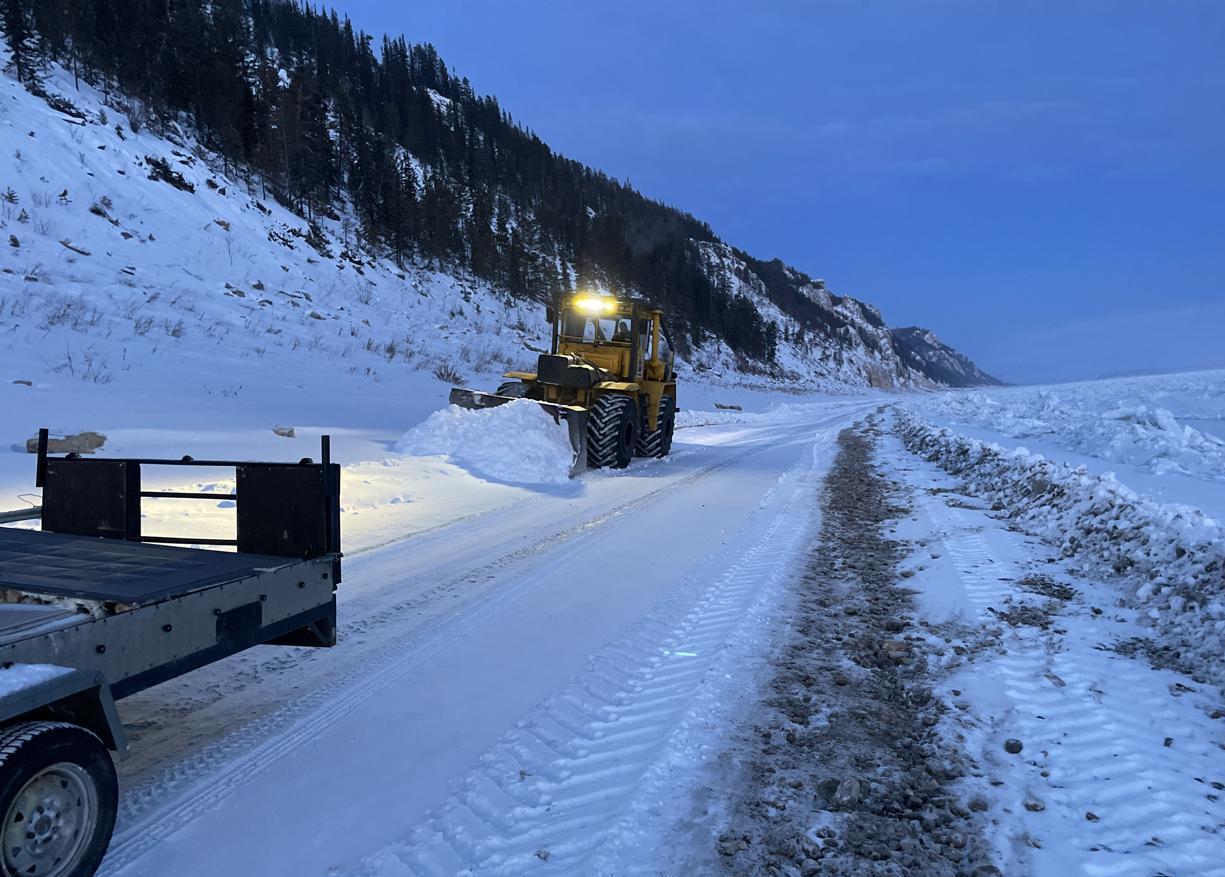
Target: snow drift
x=1170 y=557
x=1103 y=419
x=516 y=443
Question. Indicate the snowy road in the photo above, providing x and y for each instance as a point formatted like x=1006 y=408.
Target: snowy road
x=522 y=634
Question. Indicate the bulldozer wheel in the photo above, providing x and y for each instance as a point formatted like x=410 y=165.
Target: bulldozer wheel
x=513 y=389
x=658 y=442
x=611 y=432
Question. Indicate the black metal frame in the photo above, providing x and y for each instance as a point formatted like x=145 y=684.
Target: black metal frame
x=315 y=628
x=292 y=509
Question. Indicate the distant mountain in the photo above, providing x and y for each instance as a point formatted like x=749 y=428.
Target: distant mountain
x=388 y=160
x=922 y=350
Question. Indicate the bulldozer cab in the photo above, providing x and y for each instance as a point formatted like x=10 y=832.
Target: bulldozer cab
x=622 y=336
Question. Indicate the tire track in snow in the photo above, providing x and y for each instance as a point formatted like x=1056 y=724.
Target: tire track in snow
x=553 y=787
x=204 y=780
x=1100 y=737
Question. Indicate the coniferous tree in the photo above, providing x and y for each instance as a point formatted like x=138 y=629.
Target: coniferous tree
x=296 y=101
x=18 y=30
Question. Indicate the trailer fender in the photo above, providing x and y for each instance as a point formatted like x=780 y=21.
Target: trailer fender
x=77 y=696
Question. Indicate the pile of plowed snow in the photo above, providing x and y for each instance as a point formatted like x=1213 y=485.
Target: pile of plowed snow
x=1170 y=557
x=515 y=443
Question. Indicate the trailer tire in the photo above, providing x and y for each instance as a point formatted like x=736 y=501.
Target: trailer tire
x=658 y=442
x=611 y=432
x=58 y=799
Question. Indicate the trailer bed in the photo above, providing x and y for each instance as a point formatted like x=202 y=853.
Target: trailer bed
x=160 y=611
x=115 y=571
x=20 y=621
x=93 y=610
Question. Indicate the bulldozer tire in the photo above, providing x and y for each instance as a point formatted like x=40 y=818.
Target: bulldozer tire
x=658 y=442
x=611 y=432
x=513 y=389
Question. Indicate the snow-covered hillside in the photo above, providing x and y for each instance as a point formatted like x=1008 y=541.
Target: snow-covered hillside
x=921 y=350
x=851 y=344
x=124 y=248
x=121 y=248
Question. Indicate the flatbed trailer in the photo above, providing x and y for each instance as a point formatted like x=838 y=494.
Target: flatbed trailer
x=92 y=611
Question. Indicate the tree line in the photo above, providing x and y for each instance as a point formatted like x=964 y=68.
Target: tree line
x=311 y=111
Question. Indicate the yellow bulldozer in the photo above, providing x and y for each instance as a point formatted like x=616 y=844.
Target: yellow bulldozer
x=609 y=378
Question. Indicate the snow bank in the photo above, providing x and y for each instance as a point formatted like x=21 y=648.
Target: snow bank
x=1170 y=557
x=777 y=412
x=688 y=417
x=1103 y=419
x=516 y=443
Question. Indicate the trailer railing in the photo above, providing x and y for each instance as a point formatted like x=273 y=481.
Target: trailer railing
x=282 y=509
x=31 y=514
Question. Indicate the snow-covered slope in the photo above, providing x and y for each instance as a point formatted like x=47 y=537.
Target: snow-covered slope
x=118 y=245
x=921 y=350
x=842 y=340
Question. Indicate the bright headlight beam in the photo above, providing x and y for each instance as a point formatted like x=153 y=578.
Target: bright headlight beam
x=594 y=304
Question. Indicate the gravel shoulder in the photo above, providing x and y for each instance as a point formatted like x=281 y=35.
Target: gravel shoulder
x=844 y=770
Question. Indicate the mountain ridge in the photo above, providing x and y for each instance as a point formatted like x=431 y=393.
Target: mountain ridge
x=936 y=359
x=462 y=190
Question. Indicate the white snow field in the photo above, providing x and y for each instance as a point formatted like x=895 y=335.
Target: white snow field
x=1155 y=539
x=1163 y=436
x=537 y=672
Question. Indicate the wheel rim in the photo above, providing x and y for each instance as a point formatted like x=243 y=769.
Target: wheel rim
x=49 y=824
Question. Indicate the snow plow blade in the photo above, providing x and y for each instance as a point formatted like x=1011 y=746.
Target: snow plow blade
x=572 y=418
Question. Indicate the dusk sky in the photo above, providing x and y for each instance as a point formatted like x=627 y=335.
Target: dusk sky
x=1042 y=184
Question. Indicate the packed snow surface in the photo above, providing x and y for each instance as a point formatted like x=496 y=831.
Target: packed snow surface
x=516 y=443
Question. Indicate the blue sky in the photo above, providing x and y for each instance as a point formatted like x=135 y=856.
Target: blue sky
x=1043 y=184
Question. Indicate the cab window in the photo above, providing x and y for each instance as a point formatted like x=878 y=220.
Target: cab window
x=592 y=329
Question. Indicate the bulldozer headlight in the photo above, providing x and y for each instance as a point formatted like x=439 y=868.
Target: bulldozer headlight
x=595 y=304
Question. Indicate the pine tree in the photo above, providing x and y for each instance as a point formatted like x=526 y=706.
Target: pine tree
x=297 y=98
x=16 y=19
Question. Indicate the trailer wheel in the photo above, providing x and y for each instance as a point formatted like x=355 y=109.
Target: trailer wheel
x=611 y=432
x=58 y=798
x=658 y=442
